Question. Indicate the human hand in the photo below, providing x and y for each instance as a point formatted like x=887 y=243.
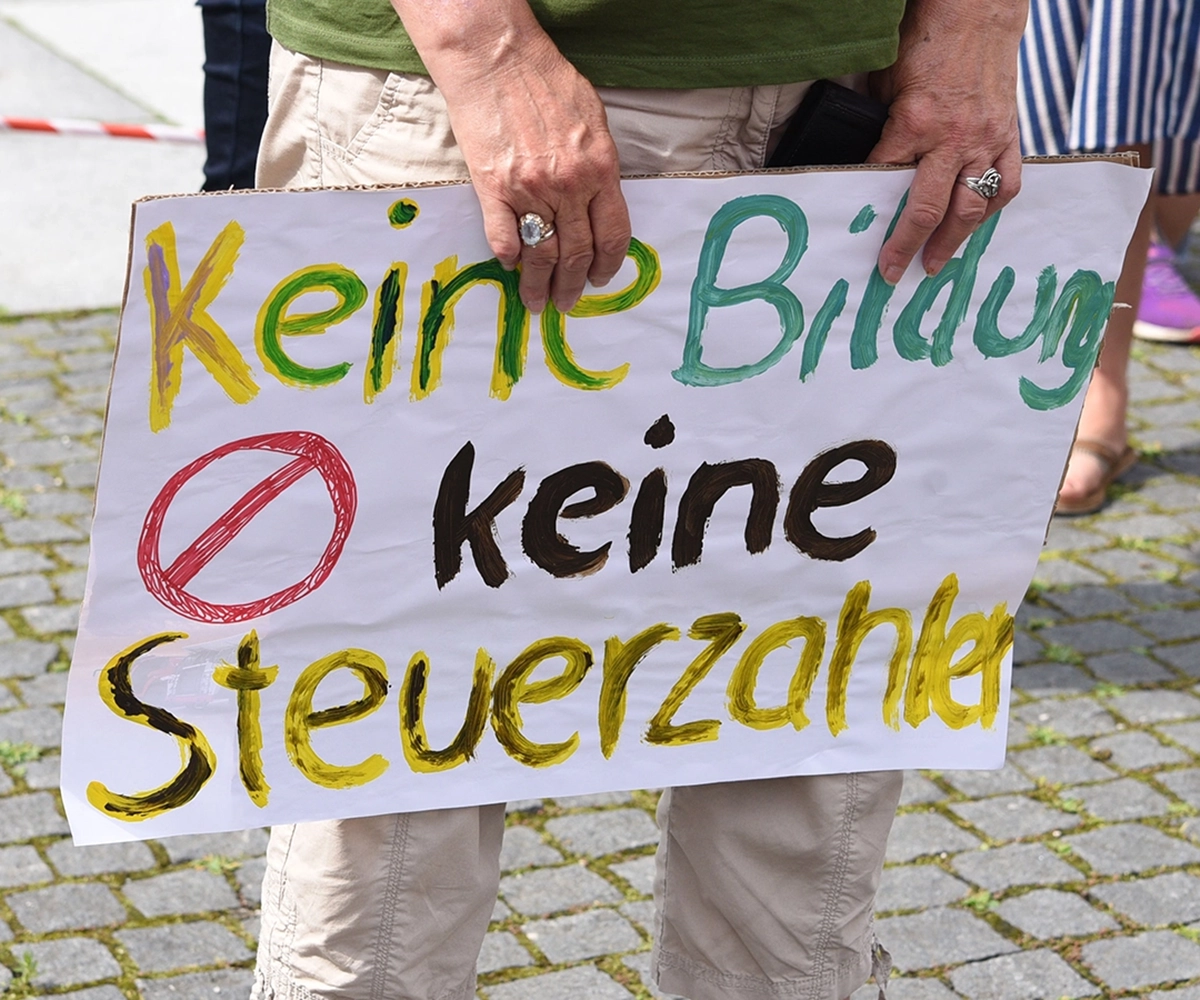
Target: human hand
x=535 y=139
x=952 y=95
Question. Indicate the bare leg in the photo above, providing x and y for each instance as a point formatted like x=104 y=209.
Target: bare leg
x=1174 y=215
x=1104 y=407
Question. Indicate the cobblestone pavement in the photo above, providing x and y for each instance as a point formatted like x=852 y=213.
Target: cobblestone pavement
x=1072 y=872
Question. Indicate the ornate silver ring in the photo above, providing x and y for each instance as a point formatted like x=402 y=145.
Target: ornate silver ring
x=987 y=186
x=534 y=229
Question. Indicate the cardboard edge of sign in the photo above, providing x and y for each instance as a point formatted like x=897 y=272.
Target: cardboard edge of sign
x=1129 y=159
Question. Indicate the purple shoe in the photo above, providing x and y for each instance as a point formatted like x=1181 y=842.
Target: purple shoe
x=1169 y=310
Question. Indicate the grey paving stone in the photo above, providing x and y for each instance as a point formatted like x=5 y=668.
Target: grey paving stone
x=75 y=555
x=939 y=937
x=583 y=935
x=917 y=834
x=641 y=913
x=70 y=585
x=913 y=887
x=40 y=726
x=1128 y=667
x=1027 y=649
x=50 y=619
x=174 y=946
x=501 y=950
x=249 y=877
x=602 y=833
x=1155 y=706
x=523 y=846
x=1185 y=784
x=233 y=983
x=1047 y=679
x=1084 y=602
x=1064 y=573
x=1121 y=800
x=49 y=451
x=1142 y=960
x=1170 y=623
x=69 y=962
x=569 y=984
x=1185 y=733
x=44 y=690
x=67 y=907
x=43 y=773
x=1159 y=594
x=1135 y=750
x=549 y=890
x=1064 y=536
x=1009 y=817
x=919 y=790
x=500 y=911
x=90 y=993
x=39 y=530
x=1099 y=636
x=194 y=847
x=1184 y=656
x=595 y=801
x=1130 y=847
x=101 y=859
x=524 y=806
x=6 y=634
x=81 y=475
x=1017 y=864
x=1061 y=765
x=8 y=699
x=23 y=561
x=982 y=783
x=639 y=873
x=1051 y=913
x=1125 y=564
x=1172 y=898
x=26 y=658
x=180 y=892
x=1187 y=993
x=1069 y=716
x=18 y=591
x=22 y=866
x=23 y=817
x=58 y=503
x=1031 y=975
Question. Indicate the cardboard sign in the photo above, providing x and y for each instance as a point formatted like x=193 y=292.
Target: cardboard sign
x=370 y=537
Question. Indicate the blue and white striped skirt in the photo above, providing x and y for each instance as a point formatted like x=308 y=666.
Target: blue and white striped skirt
x=1098 y=74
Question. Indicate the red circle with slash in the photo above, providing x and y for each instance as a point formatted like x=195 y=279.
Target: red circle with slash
x=311 y=452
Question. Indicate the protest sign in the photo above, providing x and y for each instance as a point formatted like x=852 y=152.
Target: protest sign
x=370 y=537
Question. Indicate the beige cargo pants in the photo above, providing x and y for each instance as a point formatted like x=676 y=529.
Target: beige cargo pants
x=764 y=888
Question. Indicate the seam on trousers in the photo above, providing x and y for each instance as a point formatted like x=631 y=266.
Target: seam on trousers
x=809 y=986
x=845 y=840
x=317 y=123
x=720 y=141
x=383 y=944
x=760 y=154
x=660 y=909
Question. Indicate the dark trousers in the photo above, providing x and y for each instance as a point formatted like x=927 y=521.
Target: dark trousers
x=237 y=49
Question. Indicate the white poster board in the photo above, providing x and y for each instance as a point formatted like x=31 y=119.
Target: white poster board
x=369 y=537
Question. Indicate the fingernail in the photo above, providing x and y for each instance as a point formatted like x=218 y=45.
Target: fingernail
x=599 y=284
x=932 y=267
x=536 y=306
x=566 y=305
x=893 y=273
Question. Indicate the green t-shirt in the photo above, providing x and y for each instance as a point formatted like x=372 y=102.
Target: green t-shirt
x=635 y=43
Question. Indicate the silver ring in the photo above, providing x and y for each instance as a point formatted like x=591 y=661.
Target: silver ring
x=987 y=186
x=534 y=229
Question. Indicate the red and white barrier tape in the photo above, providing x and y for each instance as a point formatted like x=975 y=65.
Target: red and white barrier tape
x=79 y=126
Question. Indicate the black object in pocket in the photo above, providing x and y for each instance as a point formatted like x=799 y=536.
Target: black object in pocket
x=833 y=125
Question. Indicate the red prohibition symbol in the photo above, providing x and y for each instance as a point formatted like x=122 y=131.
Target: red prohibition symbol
x=312 y=452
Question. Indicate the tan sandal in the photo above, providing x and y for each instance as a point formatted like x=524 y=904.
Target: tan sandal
x=1113 y=465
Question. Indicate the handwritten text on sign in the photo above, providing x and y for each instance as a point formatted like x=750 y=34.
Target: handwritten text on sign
x=363 y=543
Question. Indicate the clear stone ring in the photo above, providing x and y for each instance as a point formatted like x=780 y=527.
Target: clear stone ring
x=987 y=186
x=534 y=229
